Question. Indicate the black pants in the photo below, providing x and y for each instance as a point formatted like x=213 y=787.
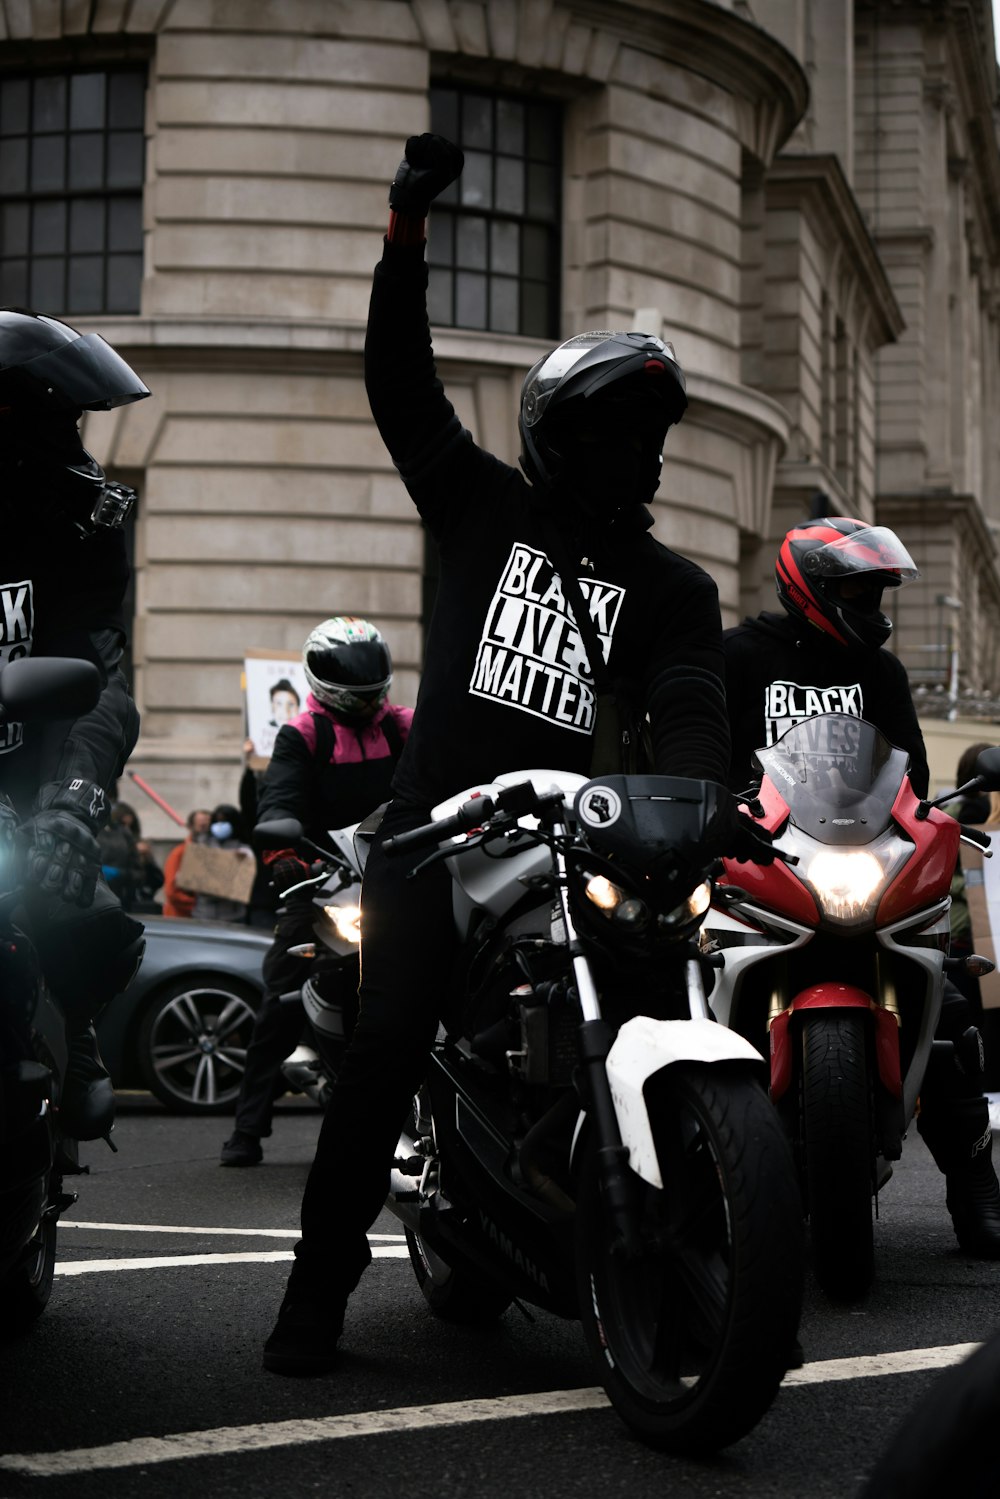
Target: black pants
x=406 y=959
x=279 y=1024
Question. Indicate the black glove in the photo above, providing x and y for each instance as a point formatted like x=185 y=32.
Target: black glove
x=430 y=164
x=287 y=870
x=738 y=837
x=62 y=855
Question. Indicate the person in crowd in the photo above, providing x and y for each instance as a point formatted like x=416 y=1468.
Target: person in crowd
x=177 y=901
x=824 y=654
x=506 y=682
x=67 y=572
x=973 y=809
x=225 y=831
x=331 y=766
x=127 y=861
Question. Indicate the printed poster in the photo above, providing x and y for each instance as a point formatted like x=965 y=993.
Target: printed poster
x=275 y=691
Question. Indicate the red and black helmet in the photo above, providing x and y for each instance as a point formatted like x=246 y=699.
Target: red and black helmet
x=831 y=573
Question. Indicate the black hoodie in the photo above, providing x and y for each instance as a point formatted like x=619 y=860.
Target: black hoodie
x=506 y=685
x=780 y=671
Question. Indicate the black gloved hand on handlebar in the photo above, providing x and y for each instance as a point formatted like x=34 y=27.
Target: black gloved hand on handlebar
x=430 y=164
x=739 y=837
x=62 y=853
x=286 y=869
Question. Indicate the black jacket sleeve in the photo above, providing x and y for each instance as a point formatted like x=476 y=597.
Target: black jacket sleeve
x=684 y=689
x=289 y=784
x=898 y=710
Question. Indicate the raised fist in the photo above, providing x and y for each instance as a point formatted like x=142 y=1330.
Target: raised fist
x=429 y=165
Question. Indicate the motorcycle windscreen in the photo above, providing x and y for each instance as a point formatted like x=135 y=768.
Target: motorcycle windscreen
x=839 y=776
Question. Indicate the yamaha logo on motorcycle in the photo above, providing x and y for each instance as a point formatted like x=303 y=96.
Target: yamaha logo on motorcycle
x=588 y=1139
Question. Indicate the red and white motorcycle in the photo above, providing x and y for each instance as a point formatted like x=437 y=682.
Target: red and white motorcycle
x=832 y=961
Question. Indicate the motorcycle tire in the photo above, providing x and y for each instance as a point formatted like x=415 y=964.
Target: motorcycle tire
x=949 y=1438
x=838 y=1164
x=25 y=1290
x=693 y=1334
x=454 y=1295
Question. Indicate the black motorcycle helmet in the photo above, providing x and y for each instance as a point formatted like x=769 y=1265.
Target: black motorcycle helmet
x=594 y=415
x=49 y=375
x=831 y=573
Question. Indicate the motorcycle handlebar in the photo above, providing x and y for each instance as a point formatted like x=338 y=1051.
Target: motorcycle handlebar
x=471 y=814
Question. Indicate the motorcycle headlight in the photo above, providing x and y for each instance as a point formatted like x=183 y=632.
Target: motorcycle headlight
x=605 y=895
x=346 y=921
x=696 y=905
x=845 y=880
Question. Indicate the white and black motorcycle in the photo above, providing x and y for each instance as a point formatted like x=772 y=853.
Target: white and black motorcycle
x=588 y=1139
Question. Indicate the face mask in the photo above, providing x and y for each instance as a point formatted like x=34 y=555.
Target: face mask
x=221 y=830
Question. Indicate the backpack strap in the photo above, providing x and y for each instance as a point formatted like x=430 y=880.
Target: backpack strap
x=325 y=740
x=393 y=737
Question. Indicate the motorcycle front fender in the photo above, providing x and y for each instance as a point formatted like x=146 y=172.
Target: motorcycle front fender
x=834 y=996
x=645 y=1047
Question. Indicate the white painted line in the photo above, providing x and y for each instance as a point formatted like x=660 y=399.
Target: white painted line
x=174 y=1228
x=141 y=1451
x=167 y=1261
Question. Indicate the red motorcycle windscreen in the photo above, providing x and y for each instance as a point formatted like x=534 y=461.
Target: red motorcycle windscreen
x=839 y=776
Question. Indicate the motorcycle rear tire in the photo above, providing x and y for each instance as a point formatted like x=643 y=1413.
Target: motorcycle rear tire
x=838 y=1150
x=25 y=1290
x=692 y=1336
x=454 y=1295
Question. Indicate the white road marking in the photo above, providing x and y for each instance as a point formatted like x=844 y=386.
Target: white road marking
x=141 y=1451
x=173 y=1228
x=166 y=1261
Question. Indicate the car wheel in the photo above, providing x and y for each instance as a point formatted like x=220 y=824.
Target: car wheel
x=193 y=1041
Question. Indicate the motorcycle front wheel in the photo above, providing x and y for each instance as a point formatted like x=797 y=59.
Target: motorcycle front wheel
x=692 y=1334
x=838 y=1150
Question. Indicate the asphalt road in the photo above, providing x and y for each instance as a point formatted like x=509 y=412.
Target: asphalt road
x=155 y=1334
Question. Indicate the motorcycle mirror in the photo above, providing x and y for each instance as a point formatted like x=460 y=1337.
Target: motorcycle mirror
x=279 y=832
x=988 y=769
x=48 y=688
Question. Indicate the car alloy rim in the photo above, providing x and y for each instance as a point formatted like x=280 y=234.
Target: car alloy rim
x=198 y=1045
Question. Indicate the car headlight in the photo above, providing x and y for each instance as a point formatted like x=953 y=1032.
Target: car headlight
x=845 y=880
x=346 y=921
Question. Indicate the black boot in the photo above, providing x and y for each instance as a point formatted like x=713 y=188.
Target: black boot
x=310 y=1320
x=87 y=1101
x=958 y=1135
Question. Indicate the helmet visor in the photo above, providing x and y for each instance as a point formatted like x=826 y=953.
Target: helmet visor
x=86 y=375
x=874 y=549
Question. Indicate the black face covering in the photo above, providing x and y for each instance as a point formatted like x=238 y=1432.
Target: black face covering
x=47 y=469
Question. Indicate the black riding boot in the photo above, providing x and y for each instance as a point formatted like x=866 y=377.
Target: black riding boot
x=87 y=1104
x=957 y=1133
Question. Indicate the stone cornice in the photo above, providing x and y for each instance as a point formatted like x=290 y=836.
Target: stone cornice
x=819 y=182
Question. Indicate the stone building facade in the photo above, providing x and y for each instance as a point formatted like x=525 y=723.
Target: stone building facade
x=740 y=178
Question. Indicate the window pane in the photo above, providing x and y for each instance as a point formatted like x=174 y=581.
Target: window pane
x=470 y=300
x=48 y=228
x=49 y=112
x=86 y=283
x=542 y=133
x=86 y=160
x=535 y=252
x=444 y=113
x=14 y=99
x=477 y=121
x=126 y=101
x=475 y=181
x=14 y=229
x=470 y=243
x=14 y=283
x=125 y=224
x=124 y=159
x=541 y=192
x=535 y=314
x=86 y=101
x=504 y=304
x=441 y=238
x=48 y=170
x=439 y=293
x=510 y=185
x=14 y=166
x=86 y=224
x=504 y=247
x=47 y=283
x=124 y=283
x=510 y=126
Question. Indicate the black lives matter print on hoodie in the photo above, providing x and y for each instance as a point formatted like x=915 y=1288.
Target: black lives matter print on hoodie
x=780 y=672
x=17 y=628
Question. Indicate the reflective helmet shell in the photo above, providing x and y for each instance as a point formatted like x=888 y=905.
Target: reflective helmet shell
x=582 y=371
x=348 y=666
x=47 y=366
x=814 y=559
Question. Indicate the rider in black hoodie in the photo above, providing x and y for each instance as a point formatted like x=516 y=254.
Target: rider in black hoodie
x=823 y=655
x=506 y=681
